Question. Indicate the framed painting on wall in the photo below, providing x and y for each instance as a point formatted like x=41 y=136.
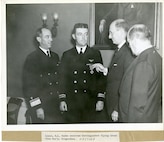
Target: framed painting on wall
x=134 y=13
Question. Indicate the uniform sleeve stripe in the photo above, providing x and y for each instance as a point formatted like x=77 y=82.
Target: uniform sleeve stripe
x=101 y=95
x=62 y=96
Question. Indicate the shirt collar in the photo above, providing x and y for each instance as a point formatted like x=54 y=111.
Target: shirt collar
x=79 y=49
x=44 y=50
x=121 y=44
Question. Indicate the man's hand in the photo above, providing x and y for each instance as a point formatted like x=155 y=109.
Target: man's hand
x=40 y=113
x=101 y=26
x=63 y=106
x=114 y=116
x=99 y=68
x=99 y=105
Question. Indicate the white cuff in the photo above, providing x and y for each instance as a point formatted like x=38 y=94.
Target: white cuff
x=61 y=96
x=105 y=71
x=101 y=95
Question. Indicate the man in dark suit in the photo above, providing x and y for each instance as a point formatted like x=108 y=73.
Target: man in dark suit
x=82 y=89
x=120 y=61
x=40 y=81
x=140 y=90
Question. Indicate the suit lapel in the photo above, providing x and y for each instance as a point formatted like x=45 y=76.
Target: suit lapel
x=132 y=65
x=121 y=51
x=118 y=54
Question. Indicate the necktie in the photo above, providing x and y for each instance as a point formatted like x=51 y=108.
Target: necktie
x=48 y=54
x=116 y=51
x=81 y=51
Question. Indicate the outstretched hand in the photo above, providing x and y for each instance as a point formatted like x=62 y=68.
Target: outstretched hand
x=99 y=67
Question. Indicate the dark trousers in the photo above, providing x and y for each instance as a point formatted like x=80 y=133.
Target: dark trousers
x=86 y=114
x=50 y=118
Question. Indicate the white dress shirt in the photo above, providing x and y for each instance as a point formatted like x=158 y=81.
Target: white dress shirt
x=121 y=44
x=45 y=50
x=79 y=49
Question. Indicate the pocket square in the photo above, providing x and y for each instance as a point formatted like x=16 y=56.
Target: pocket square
x=115 y=65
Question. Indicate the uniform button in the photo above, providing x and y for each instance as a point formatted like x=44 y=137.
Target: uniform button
x=75 y=72
x=49 y=73
x=85 y=91
x=75 y=81
x=51 y=93
x=55 y=72
x=85 y=81
x=84 y=72
x=57 y=64
x=41 y=75
x=50 y=83
x=57 y=82
x=75 y=91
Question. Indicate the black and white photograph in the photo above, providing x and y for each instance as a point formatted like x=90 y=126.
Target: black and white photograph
x=83 y=63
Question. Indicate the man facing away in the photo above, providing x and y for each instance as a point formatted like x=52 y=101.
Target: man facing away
x=141 y=90
x=81 y=89
x=121 y=60
x=40 y=81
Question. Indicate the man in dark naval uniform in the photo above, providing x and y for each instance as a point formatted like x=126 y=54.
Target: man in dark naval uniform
x=81 y=89
x=40 y=81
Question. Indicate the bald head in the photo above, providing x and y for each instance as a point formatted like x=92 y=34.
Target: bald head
x=118 y=31
x=139 y=38
x=44 y=38
x=139 y=31
x=120 y=23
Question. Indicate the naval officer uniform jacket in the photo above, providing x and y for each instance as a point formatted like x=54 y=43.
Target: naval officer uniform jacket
x=80 y=87
x=40 y=85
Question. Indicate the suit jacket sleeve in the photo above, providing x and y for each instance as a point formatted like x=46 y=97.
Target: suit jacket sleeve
x=128 y=60
x=100 y=80
x=139 y=91
x=30 y=84
x=62 y=77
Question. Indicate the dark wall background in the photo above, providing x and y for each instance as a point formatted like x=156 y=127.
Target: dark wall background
x=22 y=20
x=147 y=17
